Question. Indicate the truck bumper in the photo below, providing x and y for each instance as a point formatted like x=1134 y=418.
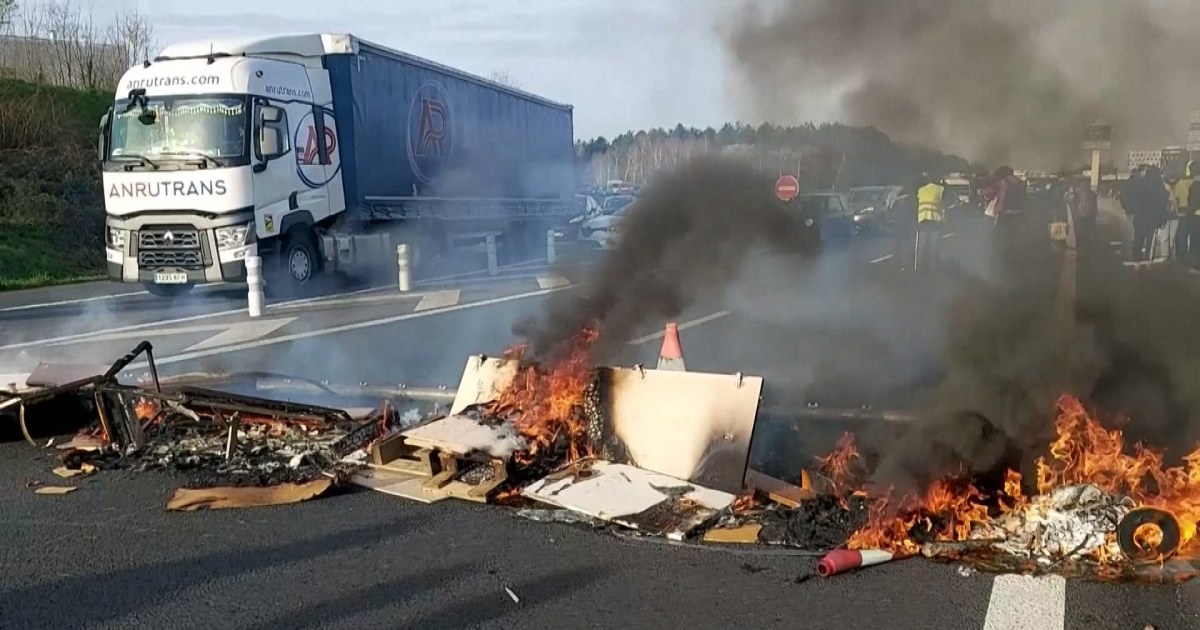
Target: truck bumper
x=197 y=258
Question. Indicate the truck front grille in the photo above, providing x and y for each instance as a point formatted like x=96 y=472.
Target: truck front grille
x=170 y=258
x=164 y=238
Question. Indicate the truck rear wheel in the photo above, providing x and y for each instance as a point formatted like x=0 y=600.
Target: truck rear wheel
x=168 y=290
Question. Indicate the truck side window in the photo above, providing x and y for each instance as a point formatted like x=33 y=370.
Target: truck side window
x=282 y=126
x=319 y=126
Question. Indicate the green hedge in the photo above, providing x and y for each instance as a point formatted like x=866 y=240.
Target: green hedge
x=51 y=202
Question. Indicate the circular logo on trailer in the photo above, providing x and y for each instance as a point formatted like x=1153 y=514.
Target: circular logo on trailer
x=430 y=130
x=312 y=169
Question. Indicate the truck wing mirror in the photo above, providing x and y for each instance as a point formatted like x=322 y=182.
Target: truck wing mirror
x=102 y=138
x=270 y=143
x=270 y=114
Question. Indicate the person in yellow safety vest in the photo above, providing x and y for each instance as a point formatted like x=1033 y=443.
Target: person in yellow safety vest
x=931 y=216
x=1185 y=197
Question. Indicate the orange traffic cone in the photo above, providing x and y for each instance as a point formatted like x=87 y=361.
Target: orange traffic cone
x=671 y=356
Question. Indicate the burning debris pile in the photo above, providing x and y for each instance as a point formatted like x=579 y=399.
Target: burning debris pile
x=1094 y=510
x=657 y=452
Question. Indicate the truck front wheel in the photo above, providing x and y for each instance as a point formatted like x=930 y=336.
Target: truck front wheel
x=297 y=266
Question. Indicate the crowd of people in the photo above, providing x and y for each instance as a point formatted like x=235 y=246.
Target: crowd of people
x=1015 y=216
x=1165 y=213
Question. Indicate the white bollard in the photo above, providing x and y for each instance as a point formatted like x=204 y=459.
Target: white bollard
x=255 y=284
x=493 y=268
x=404 y=270
x=549 y=247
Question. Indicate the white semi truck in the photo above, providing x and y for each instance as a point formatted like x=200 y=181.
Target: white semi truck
x=318 y=153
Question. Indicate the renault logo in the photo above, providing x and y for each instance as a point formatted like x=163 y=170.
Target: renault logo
x=169 y=237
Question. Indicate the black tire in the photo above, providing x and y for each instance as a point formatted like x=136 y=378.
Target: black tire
x=168 y=290
x=294 y=272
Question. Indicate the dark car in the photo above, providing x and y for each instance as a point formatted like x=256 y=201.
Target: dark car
x=828 y=213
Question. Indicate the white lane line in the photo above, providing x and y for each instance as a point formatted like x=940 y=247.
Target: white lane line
x=882 y=258
x=551 y=281
x=189 y=356
x=1021 y=602
x=98 y=298
x=438 y=299
x=948 y=235
x=683 y=326
x=161 y=322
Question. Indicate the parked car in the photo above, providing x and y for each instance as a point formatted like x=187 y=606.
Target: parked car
x=829 y=213
x=586 y=207
x=603 y=229
x=872 y=207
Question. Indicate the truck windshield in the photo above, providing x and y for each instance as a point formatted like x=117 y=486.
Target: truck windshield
x=184 y=126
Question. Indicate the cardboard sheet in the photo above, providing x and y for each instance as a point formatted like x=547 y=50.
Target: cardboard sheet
x=461 y=435
x=690 y=425
x=636 y=498
x=483 y=380
x=190 y=499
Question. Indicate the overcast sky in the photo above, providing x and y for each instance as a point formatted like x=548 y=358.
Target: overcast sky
x=623 y=64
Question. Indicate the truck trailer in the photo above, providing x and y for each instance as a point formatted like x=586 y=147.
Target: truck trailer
x=318 y=153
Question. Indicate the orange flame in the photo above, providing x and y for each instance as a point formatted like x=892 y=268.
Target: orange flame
x=838 y=464
x=1083 y=452
x=545 y=404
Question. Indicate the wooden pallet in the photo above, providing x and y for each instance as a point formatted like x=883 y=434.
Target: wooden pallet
x=438 y=470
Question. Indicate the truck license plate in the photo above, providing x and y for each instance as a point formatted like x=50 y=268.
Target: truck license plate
x=170 y=278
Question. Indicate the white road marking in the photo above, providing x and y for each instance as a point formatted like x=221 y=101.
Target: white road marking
x=98 y=298
x=1021 y=602
x=438 y=299
x=189 y=356
x=552 y=281
x=683 y=326
x=948 y=235
x=232 y=332
x=882 y=258
x=161 y=322
x=242 y=332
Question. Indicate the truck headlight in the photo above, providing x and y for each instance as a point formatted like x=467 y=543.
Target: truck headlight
x=233 y=236
x=116 y=238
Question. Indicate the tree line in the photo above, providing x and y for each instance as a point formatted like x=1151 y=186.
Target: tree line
x=59 y=43
x=825 y=156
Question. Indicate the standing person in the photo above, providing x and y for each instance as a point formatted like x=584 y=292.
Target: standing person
x=1132 y=197
x=904 y=227
x=931 y=214
x=1148 y=209
x=1185 y=198
x=1081 y=201
x=1011 y=207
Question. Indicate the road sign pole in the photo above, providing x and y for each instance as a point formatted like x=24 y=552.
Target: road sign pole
x=1096 y=170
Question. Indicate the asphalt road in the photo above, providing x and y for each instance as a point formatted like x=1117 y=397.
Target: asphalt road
x=847 y=332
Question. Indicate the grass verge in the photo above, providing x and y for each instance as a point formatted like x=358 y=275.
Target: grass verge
x=33 y=256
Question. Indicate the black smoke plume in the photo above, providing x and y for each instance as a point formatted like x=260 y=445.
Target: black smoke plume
x=685 y=239
x=993 y=80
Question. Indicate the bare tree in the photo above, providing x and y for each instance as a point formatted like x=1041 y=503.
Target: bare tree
x=58 y=42
x=504 y=78
x=8 y=8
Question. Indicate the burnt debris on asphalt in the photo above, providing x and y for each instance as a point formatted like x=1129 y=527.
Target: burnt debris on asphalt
x=659 y=453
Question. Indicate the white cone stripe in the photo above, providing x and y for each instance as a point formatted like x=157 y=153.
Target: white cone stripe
x=874 y=556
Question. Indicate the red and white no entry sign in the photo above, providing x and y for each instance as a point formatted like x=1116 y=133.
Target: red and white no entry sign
x=787 y=187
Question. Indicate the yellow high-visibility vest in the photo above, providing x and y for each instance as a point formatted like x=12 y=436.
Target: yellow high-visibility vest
x=1179 y=194
x=930 y=203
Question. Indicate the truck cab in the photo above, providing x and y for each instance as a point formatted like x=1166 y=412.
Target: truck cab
x=212 y=157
